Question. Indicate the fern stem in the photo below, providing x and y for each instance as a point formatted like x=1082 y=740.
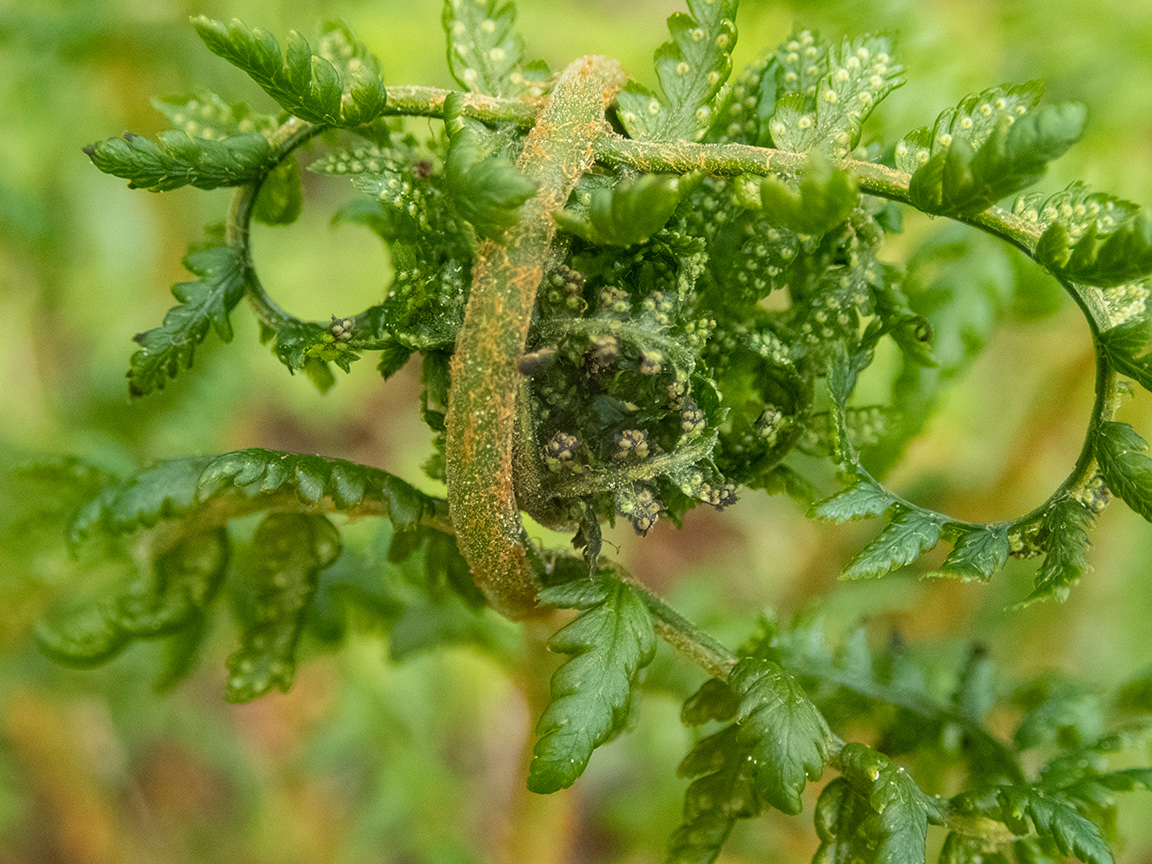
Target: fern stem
x=482 y=409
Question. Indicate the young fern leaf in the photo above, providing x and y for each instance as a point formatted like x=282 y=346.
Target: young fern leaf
x=1123 y=346
x=979 y=553
x=840 y=819
x=909 y=535
x=183 y=582
x=1101 y=258
x=787 y=737
x=1066 y=558
x=1128 y=473
x=290 y=550
x=303 y=84
x=256 y=471
x=182 y=160
x=959 y=180
x=611 y=641
x=205 y=303
x=865 y=498
x=627 y=213
x=826 y=195
x=164 y=491
x=484 y=185
x=691 y=70
x=484 y=50
x=724 y=790
x=900 y=811
x=1024 y=809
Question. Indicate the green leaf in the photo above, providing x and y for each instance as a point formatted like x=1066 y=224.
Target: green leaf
x=485 y=186
x=280 y=198
x=608 y=644
x=206 y=115
x=979 y=553
x=713 y=701
x=787 y=737
x=824 y=197
x=901 y=812
x=626 y=214
x=1050 y=817
x=207 y=302
x=864 y=498
x=484 y=50
x=861 y=73
x=290 y=550
x=1099 y=258
x=1066 y=558
x=302 y=83
x=962 y=849
x=1123 y=346
x=909 y=535
x=1128 y=473
x=167 y=490
x=184 y=580
x=723 y=791
x=181 y=160
x=841 y=817
x=691 y=70
x=256 y=471
x=959 y=180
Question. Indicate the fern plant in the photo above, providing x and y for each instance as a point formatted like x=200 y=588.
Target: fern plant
x=629 y=303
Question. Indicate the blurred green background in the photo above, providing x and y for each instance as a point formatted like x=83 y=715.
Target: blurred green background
x=423 y=760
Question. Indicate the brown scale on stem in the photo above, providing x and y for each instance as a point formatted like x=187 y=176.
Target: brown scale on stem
x=482 y=403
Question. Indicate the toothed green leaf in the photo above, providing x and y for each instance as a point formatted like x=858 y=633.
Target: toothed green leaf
x=256 y=471
x=483 y=184
x=484 y=50
x=303 y=84
x=627 y=213
x=909 y=535
x=864 y=498
x=980 y=552
x=900 y=811
x=691 y=70
x=1025 y=809
x=207 y=302
x=1100 y=258
x=823 y=198
x=1123 y=346
x=181 y=160
x=723 y=791
x=1128 y=473
x=608 y=644
x=787 y=737
x=280 y=199
x=962 y=180
x=289 y=551
x=1066 y=558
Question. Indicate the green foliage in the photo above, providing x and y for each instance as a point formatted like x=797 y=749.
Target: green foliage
x=787 y=738
x=691 y=70
x=910 y=534
x=608 y=644
x=961 y=180
x=625 y=214
x=305 y=85
x=484 y=185
x=484 y=51
x=205 y=303
x=290 y=550
x=701 y=323
x=827 y=196
x=181 y=160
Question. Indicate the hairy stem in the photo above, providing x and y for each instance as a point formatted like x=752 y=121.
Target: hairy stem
x=482 y=407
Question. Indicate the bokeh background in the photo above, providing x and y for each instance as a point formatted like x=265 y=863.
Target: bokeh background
x=383 y=752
